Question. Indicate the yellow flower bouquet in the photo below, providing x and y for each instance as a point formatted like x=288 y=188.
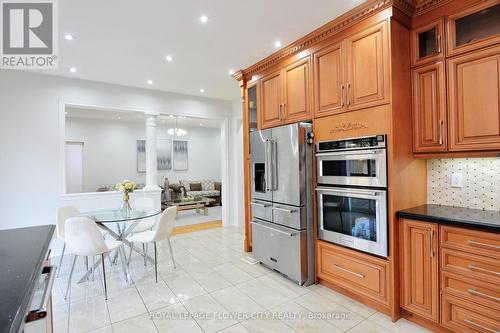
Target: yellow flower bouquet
x=126 y=187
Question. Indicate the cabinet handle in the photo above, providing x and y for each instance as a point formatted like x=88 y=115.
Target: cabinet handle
x=439 y=43
x=475 y=268
x=279 y=116
x=469 y=321
x=480 y=294
x=41 y=312
x=441 y=129
x=473 y=242
x=284 y=111
x=349 y=271
x=432 y=243
x=348 y=94
x=342 y=88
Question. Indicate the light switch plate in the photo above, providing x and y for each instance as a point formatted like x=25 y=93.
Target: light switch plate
x=457 y=179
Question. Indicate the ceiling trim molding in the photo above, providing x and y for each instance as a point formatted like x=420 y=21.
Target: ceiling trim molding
x=428 y=5
x=341 y=23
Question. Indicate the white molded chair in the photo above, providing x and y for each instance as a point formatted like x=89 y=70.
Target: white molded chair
x=63 y=213
x=144 y=203
x=162 y=231
x=84 y=238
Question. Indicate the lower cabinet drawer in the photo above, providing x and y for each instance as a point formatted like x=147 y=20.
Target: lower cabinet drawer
x=461 y=316
x=478 y=291
x=360 y=273
x=471 y=241
x=471 y=265
x=280 y=248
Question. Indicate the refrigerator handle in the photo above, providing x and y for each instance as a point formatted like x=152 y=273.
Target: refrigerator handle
x=268 y=165
x=274 y=165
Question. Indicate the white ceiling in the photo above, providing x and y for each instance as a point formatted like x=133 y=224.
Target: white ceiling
x=125 y=42
x=167 y=120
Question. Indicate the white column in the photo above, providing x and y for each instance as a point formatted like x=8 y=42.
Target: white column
x=151 y=158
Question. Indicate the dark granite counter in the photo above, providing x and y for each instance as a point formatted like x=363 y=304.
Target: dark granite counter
x=457 y=216
x=22 y=254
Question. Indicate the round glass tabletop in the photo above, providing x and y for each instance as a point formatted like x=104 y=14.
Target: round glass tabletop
x=118 y=215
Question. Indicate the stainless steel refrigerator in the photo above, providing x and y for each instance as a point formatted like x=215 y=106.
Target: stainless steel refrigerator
x=282 y=200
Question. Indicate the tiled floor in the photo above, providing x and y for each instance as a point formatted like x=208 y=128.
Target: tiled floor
x=211 y=290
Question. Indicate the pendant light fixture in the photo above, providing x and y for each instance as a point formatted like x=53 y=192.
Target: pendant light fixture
x=176 y=131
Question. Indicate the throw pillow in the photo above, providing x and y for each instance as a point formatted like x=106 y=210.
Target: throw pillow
x=208 y=185
x=195 y=186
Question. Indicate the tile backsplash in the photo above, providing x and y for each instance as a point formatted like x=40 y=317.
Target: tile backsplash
x=481 y=182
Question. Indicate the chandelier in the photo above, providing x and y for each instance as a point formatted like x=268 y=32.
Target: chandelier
x=177 y=131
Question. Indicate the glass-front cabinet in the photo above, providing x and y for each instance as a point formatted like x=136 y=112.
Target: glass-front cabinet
x=428 y=42
x=475 y=27
x=252 y=107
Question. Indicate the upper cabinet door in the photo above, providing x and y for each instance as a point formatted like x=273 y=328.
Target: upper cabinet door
x=427 y=43
x=429 y=108
x=368 y=68
x=329 y=85
x=474 y=99
x=477 y=26
x=296 y=92
x=271 y=105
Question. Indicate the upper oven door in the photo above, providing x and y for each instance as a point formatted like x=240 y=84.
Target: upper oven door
x=358 y=167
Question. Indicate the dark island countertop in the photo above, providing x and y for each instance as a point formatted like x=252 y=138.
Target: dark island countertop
x=457 y=216
x=22 y=255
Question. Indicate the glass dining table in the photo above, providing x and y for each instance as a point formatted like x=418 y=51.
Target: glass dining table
x=124 y=222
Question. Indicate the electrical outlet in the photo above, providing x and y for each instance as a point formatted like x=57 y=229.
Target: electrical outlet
x=457 y=180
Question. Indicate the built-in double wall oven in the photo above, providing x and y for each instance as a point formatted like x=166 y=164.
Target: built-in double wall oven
x=352 y=193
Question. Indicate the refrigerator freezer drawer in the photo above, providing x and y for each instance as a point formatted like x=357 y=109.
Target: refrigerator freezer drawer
x=290 y=216
x=262 y=210
x=281 y=248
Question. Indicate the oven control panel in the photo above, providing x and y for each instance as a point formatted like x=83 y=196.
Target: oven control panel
x=377 y=141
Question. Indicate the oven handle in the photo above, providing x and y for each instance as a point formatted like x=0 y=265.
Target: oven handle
x=350 y=191
x=41 y=312
x=354 y=152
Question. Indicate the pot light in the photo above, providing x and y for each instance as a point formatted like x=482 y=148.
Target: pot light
x=72 y=69
x=169 y=58
x=203 y=19
x=231 y=71
x=150 y=82
x=277 y=44
x=201 y=124
x=202 y=90
x=68 y=37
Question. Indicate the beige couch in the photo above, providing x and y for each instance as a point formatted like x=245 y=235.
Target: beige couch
x=203 y=188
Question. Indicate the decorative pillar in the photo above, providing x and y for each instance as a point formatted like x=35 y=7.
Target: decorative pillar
x=151 y=158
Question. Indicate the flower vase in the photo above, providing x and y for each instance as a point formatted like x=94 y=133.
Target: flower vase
x=125 y=207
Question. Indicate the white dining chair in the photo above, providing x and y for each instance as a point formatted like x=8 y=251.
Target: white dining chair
x=143 y=203
x=63 y=213
x=162 y=231
x=84 y=238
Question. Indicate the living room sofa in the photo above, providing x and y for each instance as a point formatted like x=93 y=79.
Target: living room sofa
x=203 y=188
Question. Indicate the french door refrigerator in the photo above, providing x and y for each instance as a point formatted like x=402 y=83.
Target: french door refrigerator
x=282 y=200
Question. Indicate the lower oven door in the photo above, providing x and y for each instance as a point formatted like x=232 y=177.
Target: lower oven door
x=355 y=218
x=281 y=248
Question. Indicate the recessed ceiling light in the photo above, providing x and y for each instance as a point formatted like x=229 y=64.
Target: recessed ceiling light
x=72 y=69
x=171 y=116
x=150 y=82
x=68 y=37
x=66 y=112
x=202 y=90
x=277 y=44
x=231 y=71
x=203 y=19
x=201 y=124
x=119 y=117
x=169 y=58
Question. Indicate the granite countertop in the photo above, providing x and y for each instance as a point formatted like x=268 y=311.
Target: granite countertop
x=22 y=252
x=458 y=216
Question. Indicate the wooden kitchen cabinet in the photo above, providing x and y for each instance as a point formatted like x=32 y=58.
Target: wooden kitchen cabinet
x=473 y=100
x=329 y=86
x=368 y=68
x=427 y=43
x=473 y=28
x=429 y=108
x=420 y=268
x=285 y=95
x=296 y=92
x=271 y=104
